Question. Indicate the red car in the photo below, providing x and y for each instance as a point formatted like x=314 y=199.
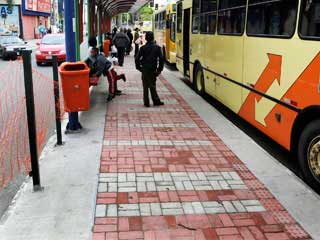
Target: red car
x=51 y=44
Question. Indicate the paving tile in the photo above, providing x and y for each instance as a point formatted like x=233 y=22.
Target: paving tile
x=175 y=208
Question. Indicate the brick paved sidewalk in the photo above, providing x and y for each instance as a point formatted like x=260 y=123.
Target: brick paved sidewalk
x=165 y=175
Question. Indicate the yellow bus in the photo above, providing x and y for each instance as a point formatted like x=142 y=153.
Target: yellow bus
x=260 y=58
x=165 y=31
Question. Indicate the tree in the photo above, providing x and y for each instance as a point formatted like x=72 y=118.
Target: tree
x=145 y=13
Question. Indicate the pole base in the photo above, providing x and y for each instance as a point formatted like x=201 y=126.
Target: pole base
x=59 y=144
x=73 y=124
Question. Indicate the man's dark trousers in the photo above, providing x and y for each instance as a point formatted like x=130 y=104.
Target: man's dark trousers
x=149 y=79
x=136 y=49
x=121 y=52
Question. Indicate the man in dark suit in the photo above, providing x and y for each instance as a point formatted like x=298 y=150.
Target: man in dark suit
x=150 y=63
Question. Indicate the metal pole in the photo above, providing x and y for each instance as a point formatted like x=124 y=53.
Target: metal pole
x=77 y=30
x=99 y=27
x=127 y=20
x=57 y=98
x=89 y=18
x=35 y=172
x=70 y=29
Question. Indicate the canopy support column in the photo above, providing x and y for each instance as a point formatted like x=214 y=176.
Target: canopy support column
x=70 y=33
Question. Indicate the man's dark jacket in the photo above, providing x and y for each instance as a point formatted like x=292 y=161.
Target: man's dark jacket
x=150 y=58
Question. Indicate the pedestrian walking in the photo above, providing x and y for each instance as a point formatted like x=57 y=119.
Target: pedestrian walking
x=42 y=29
x=114 y=31
x=130 y=36
x=136 y=41
x=150 y=62
x=121 y=41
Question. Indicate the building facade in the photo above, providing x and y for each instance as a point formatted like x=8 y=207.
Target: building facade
x=34 y=13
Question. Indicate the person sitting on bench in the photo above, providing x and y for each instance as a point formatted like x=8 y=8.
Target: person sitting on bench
x=100 y=65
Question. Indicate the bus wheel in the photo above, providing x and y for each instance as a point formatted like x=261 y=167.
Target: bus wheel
x=309 y=154
x=199 y=80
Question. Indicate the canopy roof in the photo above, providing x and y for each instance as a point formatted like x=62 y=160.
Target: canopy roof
x=114 y=7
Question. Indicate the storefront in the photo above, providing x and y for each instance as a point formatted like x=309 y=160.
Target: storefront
x=34 y=13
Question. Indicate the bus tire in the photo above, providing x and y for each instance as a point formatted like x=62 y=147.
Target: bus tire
x=309 y=154
x=199 y=80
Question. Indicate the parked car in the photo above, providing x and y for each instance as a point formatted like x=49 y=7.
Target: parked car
x=51 y=44
x=5 y=32
x=11 y=46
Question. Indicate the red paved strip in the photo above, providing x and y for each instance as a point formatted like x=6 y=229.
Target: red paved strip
x=274 y=223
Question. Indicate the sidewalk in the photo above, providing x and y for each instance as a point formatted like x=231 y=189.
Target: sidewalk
x=164 y=174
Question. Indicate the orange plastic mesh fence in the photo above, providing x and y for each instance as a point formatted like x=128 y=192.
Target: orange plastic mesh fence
x=14 y=141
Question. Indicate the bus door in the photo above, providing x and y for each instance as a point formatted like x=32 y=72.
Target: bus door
x=186 y=42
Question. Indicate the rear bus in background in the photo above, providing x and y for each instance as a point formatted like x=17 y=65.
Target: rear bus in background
x=165 y=31
x=260 y=58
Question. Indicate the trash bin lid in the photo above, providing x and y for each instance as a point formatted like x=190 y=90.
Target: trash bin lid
x=73 y=66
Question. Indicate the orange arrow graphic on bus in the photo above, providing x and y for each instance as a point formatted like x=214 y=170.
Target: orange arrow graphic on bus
x=304 y=92
x=270 y=74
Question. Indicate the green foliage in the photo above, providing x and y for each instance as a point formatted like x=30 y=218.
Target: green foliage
x=126 y=16
x=145 y=13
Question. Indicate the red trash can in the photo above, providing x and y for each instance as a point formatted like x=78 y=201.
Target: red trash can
x=75 y=86
x=106 y=47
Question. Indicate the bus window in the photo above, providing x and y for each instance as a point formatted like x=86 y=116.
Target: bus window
x=195 y=7
x=179 y=17
x=173 y=27
x=208 y=16
x=168 y=22
x=208 y=23
x=208 y=6
x=212 y=22
x=156 y=21
x=162 y=20
x=174 y=7
x=195 y=24
x=310 y=19
x=231 y=17
x=272 y=18
x=195 y=16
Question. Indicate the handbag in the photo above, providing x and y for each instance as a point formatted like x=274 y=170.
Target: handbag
x=138 y=41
